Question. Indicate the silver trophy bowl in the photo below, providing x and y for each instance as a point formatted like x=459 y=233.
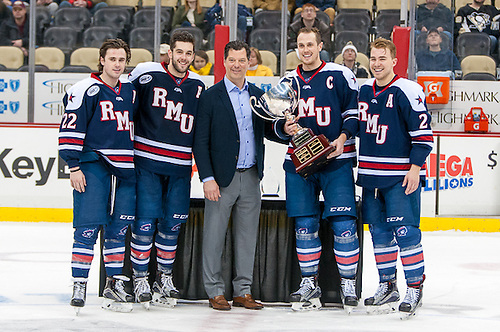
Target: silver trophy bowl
x=277 y=103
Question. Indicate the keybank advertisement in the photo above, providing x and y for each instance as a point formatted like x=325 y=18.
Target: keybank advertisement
x=13 y=97
x=32 y=175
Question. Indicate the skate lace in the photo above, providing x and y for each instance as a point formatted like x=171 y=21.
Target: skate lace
x=306 y=285
x=141 y=285
x=349 y=287
x=381 y=290
x=411 y=295
x=167 y=282
x=79 y=290
x=120 y=287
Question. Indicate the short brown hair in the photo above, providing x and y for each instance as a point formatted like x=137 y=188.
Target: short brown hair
x=386 y=44
x=112 y=43
x=236 y=45
x=316 y=32
x=257 y=54
x=181 y=36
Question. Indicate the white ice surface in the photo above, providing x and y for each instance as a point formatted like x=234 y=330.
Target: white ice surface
x=461 y=292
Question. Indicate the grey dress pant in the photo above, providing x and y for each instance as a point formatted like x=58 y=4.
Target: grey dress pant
x=243 y=198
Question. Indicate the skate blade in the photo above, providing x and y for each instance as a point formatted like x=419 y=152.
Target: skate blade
x=109 y=304
x=162 y=301
x=406 y=315
x=77 y=310
x=146 y=305
x=383 y=309
x=348 y=309
x=313 y=304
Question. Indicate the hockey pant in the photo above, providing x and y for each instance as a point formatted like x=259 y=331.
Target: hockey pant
x=346 y=245
x=386 y=241
x=165 y=242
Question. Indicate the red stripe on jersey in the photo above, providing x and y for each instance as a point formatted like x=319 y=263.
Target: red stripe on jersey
x=347 y=260
x=81 y=258
x=70 y=141
x=309 y=257
x=386 y=257
x=426 y=138
x=114 y=258
x=163 y=152
x=369 y=165
x=166 y=254
x=350 y=148
x=412 y=259
x=121 y=158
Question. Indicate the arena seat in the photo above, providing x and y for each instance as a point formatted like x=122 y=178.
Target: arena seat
x=472 y=43
x=12 y=57
x=269 y=59
x=75 y=69
x=42 y=19
x=385 y=21
x=196 y=32
x=38 y=68
x=266 y=39
x=361 y=58
x=64 y=38
x=139 y=55
x=144 y=18
x=388 y=4
x=164 y=3
x=211 y=38
x=85 y=56
x=117 y=18
x=75 y=17
x=352 y=21
x=292 y=60
x=122 y=3
x=211 y=56
x=358 y=38
x=52 y=57
x=358 y=4
x=96 y=35
x=320 y=15
x=142 y=37
x=479 y=67
x=268 y=19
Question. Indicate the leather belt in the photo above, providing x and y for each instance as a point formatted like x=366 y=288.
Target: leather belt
x=241 y=170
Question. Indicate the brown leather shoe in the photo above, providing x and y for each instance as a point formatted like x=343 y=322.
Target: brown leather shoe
x=219 y=303
x=247 y=301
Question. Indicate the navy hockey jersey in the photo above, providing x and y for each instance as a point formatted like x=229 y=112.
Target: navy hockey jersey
x=394 y=132
x=328 y=105
x=99 y=118
x=164 y=123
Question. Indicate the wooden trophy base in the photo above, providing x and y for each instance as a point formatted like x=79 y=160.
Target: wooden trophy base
x=311 y=154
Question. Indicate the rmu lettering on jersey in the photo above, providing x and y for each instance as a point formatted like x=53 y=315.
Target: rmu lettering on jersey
x=165 y=122
x=94 y=110
x=329 y=113
x=394 y=130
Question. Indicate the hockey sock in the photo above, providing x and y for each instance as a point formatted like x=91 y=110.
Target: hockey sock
x=83 y=250
x=346 y=245
x=308 y=244
x=386 y=251
x=411 y=252
x=141 y=243
x=114 y=247
x=166 y=244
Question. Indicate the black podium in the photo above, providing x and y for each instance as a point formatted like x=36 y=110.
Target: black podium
x=276 y=269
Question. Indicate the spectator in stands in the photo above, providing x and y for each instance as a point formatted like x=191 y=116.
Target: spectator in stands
x=478 y=17
x=14 y=31
x=8 y=4
x=91 y=5
x=189 y=15
x=324 y=5
x=259 y=5
x=51 y=5
x=255 y=66
x=308 y=19
x=201 y=64
x=164 y=53
x=4 y=12
x=435 y=58
x=349 y=55
x=433 y=14
x=214 y=15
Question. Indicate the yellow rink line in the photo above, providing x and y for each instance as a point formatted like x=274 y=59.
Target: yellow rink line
x=474 y=224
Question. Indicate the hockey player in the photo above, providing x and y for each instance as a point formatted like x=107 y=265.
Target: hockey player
x=168 y=99
x=395 y=139
x=328 y=105
x=96 y=141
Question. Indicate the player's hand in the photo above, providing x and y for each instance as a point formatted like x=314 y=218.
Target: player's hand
x=338 y=144
x=290 y=127
x=78 y=182
x=211 y=190
x=412 y=179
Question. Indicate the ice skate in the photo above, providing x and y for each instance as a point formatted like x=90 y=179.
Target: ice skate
x=385 y=299
x=307 y=296
x=142 y=291
x=348 y=294
x=411 y=302
x=164 y=292
x=79 y=294
x=115 y=297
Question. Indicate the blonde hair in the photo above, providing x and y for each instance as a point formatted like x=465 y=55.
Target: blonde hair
x=257 y=55
x=198 y=7
x=385 y=44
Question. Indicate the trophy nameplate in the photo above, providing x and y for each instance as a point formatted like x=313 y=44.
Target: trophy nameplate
x=310 y=150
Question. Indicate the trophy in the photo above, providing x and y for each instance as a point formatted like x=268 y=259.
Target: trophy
x=310 y=150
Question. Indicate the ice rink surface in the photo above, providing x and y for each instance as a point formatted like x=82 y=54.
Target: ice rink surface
x=461 y=293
